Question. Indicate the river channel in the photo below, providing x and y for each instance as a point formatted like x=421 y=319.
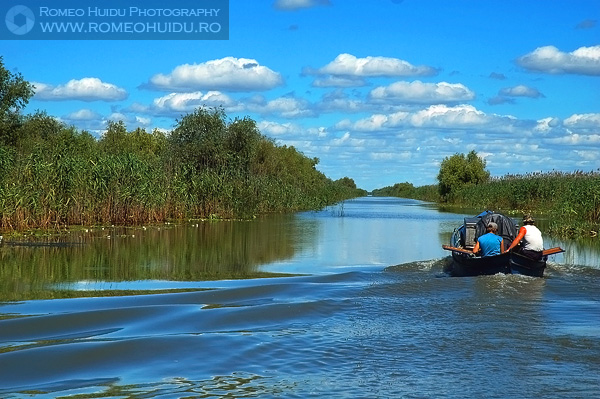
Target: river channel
x=348 y=302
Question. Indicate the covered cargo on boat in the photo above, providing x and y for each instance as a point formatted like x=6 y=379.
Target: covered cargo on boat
x=474 y=227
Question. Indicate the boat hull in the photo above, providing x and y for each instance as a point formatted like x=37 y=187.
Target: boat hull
x=464 y=265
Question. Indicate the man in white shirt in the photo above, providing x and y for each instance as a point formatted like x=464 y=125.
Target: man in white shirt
x=533 y=243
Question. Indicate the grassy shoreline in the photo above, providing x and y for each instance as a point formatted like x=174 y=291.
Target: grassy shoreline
x=570 y=200
x=208 y=166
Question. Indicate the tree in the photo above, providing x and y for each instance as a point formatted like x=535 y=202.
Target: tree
x=199 y=138
x=242 y=139
x=15 y=93
x=459 y=171
x=347 y=182
x=34 y=129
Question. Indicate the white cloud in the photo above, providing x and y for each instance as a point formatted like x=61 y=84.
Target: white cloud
x=86 y=89
x=290 y=5
x=83 y=115
x=117 y=116
x=521 y=91
x=176 y=103
x=143 y=121
x=338 y=100
x=341 y=140
x=547 y=124
x=442 y=116
x=422 y=93
x=226 y=74
x=285 y=107
x=390 y=156
x=549 y=59
x=584 y=121
x=577 y=140
x=343 y=105
x=374 y=122
x=347 y=65
x=277 y=129
x=588 y=155
x=346 y=139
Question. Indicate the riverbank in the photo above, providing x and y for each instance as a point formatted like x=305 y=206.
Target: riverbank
x=53 y=176
x=571 y=201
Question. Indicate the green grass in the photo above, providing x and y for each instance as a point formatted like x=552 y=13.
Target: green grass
x=207 y=167
x=570 y=200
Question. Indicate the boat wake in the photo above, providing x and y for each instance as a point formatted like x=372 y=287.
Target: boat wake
x=440 y=265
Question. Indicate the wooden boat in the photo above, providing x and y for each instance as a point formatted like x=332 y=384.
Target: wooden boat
x=465 y=263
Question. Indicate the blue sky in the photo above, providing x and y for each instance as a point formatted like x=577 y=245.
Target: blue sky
x=380 y=90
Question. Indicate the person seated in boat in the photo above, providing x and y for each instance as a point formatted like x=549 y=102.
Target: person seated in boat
x=530 y=237
x=489 y=244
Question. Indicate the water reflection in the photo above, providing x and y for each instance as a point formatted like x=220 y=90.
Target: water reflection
x=365 y=232
x=378 y=231
x=192 y=252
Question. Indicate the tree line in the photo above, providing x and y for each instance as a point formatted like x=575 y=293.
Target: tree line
x=208 y=166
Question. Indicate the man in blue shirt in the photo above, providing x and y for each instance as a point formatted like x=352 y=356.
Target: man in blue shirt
x=489 y=244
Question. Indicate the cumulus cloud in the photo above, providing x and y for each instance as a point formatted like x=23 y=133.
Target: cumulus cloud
x=285 y=107
x=549 y=59
x=521 y=91
x=291 y=5
x=83 y=115
x=573 y=130
x=389 y=156
x=130 y=119
x=277 y=129
x=226 y=74
x=86 y=89
x=584 y=121
x=588 y=155
x=346 y=139
x=435 y=116
x=444 y=116
x=176 y=104
x=547 y=124
x=85 y=119
x=580 y=140
x=347 y=65
x=510 y=145
x=422 y=93
x=185 y=102
x=338 y=100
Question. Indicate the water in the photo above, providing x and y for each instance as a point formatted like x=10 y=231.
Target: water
x=348 y=302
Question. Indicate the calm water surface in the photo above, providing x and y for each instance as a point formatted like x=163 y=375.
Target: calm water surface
x=348 y=302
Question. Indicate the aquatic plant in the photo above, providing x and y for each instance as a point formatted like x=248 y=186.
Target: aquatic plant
x=570 y=200
x=208 y=166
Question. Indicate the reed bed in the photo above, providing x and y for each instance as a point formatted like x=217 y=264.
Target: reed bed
x=207 y=167
x=571 y=201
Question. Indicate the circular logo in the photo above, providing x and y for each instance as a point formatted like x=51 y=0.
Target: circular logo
x=20 y=20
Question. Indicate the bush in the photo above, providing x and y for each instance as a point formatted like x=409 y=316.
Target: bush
x=459 y=171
